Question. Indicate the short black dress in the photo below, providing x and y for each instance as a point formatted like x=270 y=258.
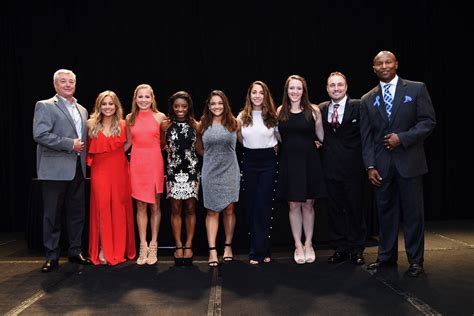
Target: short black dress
x=183 y=172
x=300 y=175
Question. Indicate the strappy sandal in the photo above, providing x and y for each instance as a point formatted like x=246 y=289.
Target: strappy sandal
x=228 y=258
x=213 y=264
x=188 y=261
x=178 y=261
x=152 y=254
x=143 y=254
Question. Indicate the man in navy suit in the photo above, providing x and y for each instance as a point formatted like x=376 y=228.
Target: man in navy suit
x=344 y=171
x=396 y=117
x=59 y=129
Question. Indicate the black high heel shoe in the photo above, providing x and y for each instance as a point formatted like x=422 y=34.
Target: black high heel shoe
x=213 y=264
x=228 y=258
x=178 y=262
x=187 y=262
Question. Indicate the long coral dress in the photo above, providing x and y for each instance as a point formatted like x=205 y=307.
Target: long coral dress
x=146 y=159
x=111 y=213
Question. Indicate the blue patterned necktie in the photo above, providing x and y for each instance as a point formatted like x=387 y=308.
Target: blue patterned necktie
x=388 y=100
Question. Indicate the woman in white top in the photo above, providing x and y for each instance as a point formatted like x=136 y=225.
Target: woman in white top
x=259 y=167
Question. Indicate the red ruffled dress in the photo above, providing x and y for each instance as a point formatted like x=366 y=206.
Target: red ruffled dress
x=111 y=213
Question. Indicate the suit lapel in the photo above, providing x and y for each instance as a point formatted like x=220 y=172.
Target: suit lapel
x=379 y=103
x=62 y=107
x=400 y=91
x=347 y=112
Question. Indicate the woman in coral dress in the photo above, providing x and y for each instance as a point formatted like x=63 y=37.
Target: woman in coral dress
x=146 y=168
x=111 y=231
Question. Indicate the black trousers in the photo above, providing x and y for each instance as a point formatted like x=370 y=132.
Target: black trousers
x=63 y=197
x=347 y=227
x=400 y=198
x=259 y=168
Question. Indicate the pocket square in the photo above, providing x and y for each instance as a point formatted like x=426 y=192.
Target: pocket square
x=407 y=99
x=354 y=120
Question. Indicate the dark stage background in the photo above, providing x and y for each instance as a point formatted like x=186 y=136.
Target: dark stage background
x=198 y=46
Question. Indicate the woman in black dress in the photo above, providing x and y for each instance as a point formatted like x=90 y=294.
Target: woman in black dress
x=300 y=177
x=182 y=172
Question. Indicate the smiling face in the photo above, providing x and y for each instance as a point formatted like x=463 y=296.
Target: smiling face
x=108 y=107
x=336 y=88
x=180 y=109
x=65 y=85
x=295 y=90
x=216 y=106
x=144 y=99
x=256 y=96
x=385 y=66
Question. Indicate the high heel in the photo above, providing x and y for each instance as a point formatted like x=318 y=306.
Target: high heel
x=142 y=254
x=102 y=259
x=309 y=254
x=152 y=254
x=188 y=261
x=179 y=261
x=215 y=263
x=228 y=258
x=299 y=256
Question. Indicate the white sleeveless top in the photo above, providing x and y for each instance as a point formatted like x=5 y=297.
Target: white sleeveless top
x=257 y=135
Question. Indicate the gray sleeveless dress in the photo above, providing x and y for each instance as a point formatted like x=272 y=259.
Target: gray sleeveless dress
x=220 y=176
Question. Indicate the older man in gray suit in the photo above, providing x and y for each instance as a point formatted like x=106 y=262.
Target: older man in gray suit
x=59 y=129
x=395 y=118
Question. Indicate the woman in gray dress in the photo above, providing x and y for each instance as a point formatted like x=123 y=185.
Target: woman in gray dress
x=220 y=171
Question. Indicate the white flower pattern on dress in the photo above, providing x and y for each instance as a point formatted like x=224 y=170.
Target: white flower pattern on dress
x=182 y=172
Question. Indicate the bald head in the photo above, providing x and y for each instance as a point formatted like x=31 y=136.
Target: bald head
x=385 y=66
x=384 y=53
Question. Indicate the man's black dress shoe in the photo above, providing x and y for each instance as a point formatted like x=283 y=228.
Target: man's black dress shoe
x=49 y=265
x=380 y=264
x=415 y=270
x=357 y=259
x=338 y=257
x=80 y=259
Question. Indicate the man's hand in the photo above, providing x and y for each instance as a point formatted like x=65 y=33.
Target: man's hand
x=391 y=141
x=374 y=177
x=78 y=145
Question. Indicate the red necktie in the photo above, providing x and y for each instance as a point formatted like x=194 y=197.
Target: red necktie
x=334 y=121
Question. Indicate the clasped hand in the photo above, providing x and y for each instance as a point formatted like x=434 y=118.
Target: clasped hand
x=78 y=145
x=391 y=141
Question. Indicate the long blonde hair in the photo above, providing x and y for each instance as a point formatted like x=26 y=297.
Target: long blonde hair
x=268 y=107
x=97 y=116
x=135 y=109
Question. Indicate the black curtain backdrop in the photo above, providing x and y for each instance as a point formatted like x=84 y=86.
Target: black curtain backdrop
x=199 y=46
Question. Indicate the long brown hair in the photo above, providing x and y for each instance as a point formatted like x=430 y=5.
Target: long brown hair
x=228 y=119
x=97 y=116
x=268 y=107
x=305 y=104
x=135 y=109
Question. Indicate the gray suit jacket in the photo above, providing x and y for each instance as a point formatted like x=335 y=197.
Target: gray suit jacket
x=413 y=119
x=54 y=132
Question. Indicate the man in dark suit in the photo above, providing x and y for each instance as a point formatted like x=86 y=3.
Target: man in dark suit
x=59 y=129
x=344 y=172
x=396 y=117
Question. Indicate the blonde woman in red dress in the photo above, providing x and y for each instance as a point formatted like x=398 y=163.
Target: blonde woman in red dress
x=111 y=230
